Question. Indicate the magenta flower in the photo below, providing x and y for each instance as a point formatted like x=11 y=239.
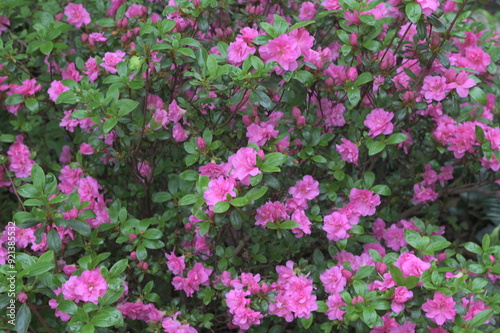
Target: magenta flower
x=307 y=11
x=336 y=226
x=175 y=264
x=77 y=15
x=238 y=51
x=348 y=151
x=28 y=88
x=218 y=189
x=244 y=164
x=462 y=84
x=87 y=288
x=440 y=308
x=400 y=296
x=92 y=70
x=434 y=88
x=304 y=223
x=56 y=89
x=305 y=189
x=410 y=264
x=379 y=122
x=271 y=212
x=111 y=59
x=333 y=280
x=363 y=202
x=86 y=149
x=428 y=6
x=285 y=50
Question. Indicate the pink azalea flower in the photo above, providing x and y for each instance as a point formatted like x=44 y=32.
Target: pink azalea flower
x=179 y=134
x=304 y=223
x=333 y=280
x=87 y=288
x=28 y=88
x=4 y=23
x=363 y=202
x=136 y=11
x=348 y=151
x=440 y=308
x=428 y=6
x=238 y=51
x=77 y=15
x=307 y=11
x=218 y=189
x=434 y=88
x=56 y=88
x=400 y=296
x=96 y=37
x=336 y=226
x=285 y=50
x=409 y=264
x=271 y=212
x=244 y=164
x=379 y=122
x=19 y=157
x=111 y=59
x=92 y=69
x=473 y=307
x=260 y=134
x=423 y=194
x=331 y=4
x=305 y=189
x=334 y=303
x=394 y=238
x=462 y=84
x=86 y=149
x=175 y=264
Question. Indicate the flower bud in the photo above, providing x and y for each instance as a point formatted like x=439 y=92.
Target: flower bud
x=352 y=74
x=353 y=39
x=381 y=267
x=202 y=145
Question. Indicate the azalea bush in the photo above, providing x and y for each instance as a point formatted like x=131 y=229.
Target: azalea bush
x=261 y=166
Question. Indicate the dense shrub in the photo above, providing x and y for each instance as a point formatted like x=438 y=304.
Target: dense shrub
x=267 y=166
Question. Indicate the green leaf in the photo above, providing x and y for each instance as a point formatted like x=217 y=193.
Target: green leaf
x=413 y=12
x=28 y=191
x=37 y=176
x=363 y=78
x=204 y=227
x=221 y=207
x=23 y=319
x=275 y=159
x=53 y=240
x=152 y=233
x=189 y=175
x=46 y=47
x=107 y=317
x=240 y=202
x=396 y=138
x=413 y=238
x=37 y=269
x=160 y=197
x=369 y=178
x=307 y=322
x=304 y=77
x=32 y=104
x=289 y=224
x=14 y=99
x=478 y=95
x=473 y=247
x=125 y=106
x=141 y=253
x=109 y=124
x=396 y=275
x=83 y=228
x=381 y=189
x=256 y=193
x=319 y=159
x=88 y=328
x=480 y=318
x=118 y=268
x=376 y=147
x=363 y=272
x=188 y=199
x=411 y=282
x=67 y=306
x=369 y=316
x=354 y=95
x=68 y=97
x=300 y=25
